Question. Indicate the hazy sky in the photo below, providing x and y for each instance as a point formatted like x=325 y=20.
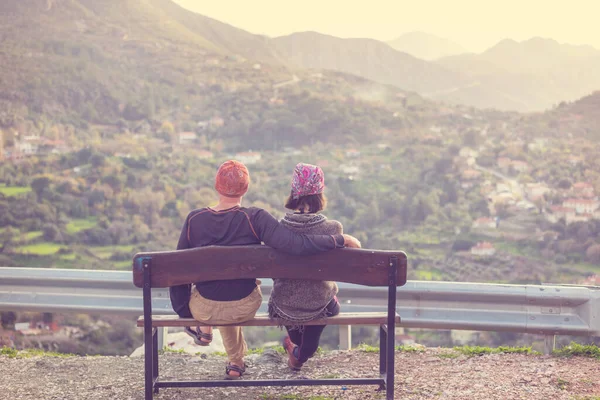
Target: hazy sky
x=475 y=24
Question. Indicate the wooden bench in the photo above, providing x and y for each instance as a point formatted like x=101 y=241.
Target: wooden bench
x=358 y=266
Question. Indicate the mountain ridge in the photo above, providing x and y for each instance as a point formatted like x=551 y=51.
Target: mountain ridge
x=426 y=46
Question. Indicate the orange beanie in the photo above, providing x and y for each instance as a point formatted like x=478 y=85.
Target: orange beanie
x=232 y=179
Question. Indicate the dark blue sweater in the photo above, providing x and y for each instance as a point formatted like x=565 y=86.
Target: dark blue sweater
x=239 y=226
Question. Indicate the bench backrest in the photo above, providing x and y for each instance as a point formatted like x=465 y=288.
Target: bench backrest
x=359 y=266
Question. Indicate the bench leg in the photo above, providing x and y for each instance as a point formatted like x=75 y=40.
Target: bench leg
x=148 y=334
x=390 y=348
x=155 y=358
x=148 y=364
x=382 y=353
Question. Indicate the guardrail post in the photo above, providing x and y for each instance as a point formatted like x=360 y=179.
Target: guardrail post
x=345 y=332
x=549 y=344
x=162 y=337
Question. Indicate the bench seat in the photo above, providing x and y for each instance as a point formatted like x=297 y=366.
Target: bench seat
x=348 y=318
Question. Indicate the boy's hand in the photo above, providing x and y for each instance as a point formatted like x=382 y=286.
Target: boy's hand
x=351 y=241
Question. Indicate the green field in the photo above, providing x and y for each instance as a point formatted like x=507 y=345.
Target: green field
x=40 y=249
x=29 y=236
x=106 y=251
x=11 y=191
x=77 y=225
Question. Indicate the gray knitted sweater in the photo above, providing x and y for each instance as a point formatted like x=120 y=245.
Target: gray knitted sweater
x=295 y=301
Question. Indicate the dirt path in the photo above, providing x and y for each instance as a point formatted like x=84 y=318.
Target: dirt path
x=426 y=375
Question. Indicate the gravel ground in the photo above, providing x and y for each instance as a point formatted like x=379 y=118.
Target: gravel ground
x=429 y=374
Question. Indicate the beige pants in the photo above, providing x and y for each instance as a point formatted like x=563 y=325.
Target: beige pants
x=218 y=313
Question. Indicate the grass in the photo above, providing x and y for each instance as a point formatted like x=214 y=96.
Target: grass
x=430 y=275
x=410 y=349
x=106 y=251
x=13 y=191
x=365 y=348
x=479 y=350
x=29 y=236
x=562 y=384
x=449 y=355
x=78 y=225
x=576 y=349
x=169 y=350
x=13 y=353
x=40 y=249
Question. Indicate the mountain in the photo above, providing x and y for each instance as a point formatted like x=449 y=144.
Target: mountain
x=103 y=60
x=367 y=58
x=223 y=36
x=426 y=46
x=98 y=68
x=534 y=75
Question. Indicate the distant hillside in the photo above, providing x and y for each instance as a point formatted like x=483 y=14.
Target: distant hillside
x=221 y=35
x=103 y=60
x=578 y=119
x=111 y=66
x=528 y=76
x=426 y=46
x=368 y=58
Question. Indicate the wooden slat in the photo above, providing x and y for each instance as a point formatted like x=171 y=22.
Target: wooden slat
x=361 y=318
x=359 y=266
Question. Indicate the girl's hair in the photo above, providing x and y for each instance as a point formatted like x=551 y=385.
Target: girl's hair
x=314 y=203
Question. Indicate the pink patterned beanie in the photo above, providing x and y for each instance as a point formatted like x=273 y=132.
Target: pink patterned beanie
x=307 y=180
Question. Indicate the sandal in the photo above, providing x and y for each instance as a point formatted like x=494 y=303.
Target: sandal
x=291 y=350
x=198 y=335
x=231 y=367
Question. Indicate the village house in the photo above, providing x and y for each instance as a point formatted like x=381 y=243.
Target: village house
x=538 y=144
x=470 y=174
x=349 y=169
x=485 y=223
x=593 y=280
x=536 y=190
x=503 y=162
x=202 y=125
x=28 y=147
x=503 y=198
x=502 y=187
x=572 y=218
x=582 y=206
x=483 y=249
x=467 y=152
x=352 y=153
x=204 y=154
x=575 y=160
x=248 y=157
x=559 y=212
x=583 y=189
x=520 y=166
x=187 y=137
x=216 y=122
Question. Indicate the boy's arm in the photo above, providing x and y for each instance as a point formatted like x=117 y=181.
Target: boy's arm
x=180 y=294
x=275 y=235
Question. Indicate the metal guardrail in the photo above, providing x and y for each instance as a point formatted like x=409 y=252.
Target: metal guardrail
x=547 y=310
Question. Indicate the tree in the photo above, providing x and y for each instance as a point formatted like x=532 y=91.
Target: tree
x=593 y=253
x=40 y=184
x=8 y=237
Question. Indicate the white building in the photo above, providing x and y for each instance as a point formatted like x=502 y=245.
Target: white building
x=483 y=249
x=248 y=157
